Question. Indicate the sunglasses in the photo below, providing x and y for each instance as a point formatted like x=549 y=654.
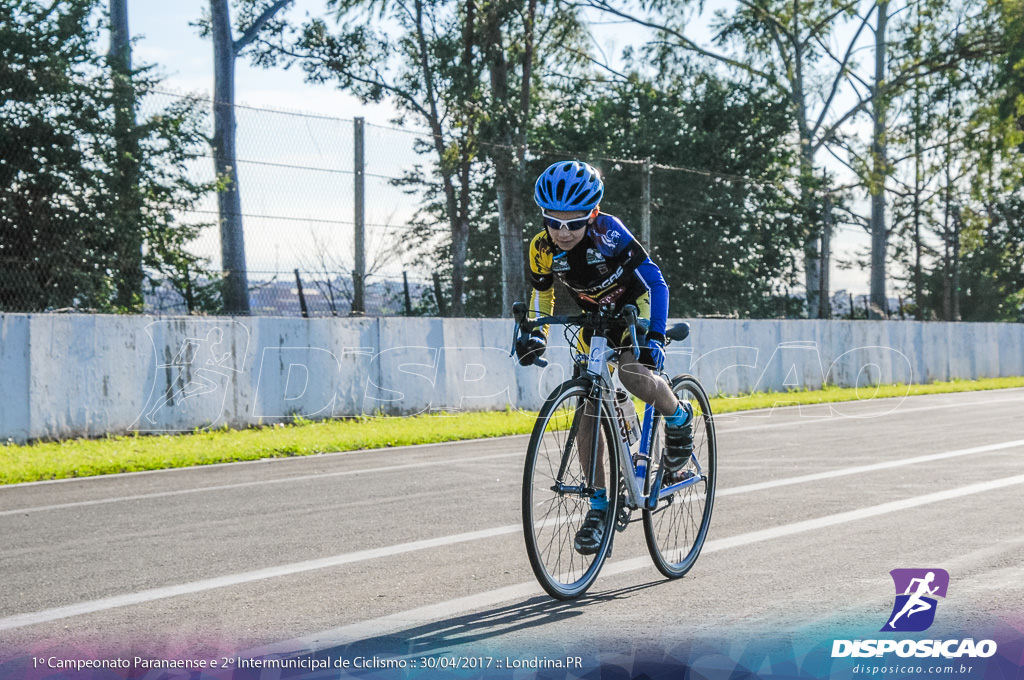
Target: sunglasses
x=575 y=224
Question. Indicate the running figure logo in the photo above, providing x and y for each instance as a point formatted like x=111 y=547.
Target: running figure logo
x=914 y=609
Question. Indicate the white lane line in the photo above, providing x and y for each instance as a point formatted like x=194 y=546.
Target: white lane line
x=103 y=604
x=834 y=417
x=262 y=482
x=443 y=610
x=116 y=601
x=455 y=461
x=873 y=467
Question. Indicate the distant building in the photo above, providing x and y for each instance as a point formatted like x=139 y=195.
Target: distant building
x=280 y=297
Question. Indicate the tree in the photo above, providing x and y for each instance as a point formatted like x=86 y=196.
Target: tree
x=789 y=46
x=255 y=19
x=126 y=163
x=1008 y=19
x=724 y=225
x=49 y=113
x=953 y=164
x=69 y=195
x=992 y=269
x=467 y=72
x=422 y=69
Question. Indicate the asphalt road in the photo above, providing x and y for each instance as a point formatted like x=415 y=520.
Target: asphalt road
x=419 y=550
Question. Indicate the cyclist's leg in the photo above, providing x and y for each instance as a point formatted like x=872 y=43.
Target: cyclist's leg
x=588 y=539
x=646 y=384
x=585 y=437
x=638 y=378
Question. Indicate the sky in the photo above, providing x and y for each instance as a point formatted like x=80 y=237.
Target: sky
x=164 y=37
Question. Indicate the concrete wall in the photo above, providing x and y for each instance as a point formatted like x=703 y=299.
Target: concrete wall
x=73 y=375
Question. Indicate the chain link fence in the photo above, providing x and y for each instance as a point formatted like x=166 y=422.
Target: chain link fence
x=296 y=180
x=297 y=185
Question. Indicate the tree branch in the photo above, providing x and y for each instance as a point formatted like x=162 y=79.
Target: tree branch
x=842 y=70
x=684 y=42
x=257 y=25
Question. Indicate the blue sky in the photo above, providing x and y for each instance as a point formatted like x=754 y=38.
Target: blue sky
x=164 y=37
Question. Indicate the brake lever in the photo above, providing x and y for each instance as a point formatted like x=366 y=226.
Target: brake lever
x=631 y=314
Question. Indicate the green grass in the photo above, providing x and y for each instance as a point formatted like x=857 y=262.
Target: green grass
x=109 y=455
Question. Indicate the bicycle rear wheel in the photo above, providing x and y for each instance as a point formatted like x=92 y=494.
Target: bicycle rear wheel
x=557 y=489
x=676 y=528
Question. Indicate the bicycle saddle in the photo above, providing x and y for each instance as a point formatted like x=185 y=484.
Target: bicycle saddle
x=679 y=331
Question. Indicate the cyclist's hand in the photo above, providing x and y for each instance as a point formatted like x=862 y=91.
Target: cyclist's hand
x=653 y=354
x=530 y=347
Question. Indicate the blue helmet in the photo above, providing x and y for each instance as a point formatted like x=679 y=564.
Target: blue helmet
x=568 y=186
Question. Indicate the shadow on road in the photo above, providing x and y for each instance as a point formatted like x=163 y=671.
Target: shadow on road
x=473 y=631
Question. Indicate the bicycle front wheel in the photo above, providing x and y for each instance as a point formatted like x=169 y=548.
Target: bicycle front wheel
x=678 y=525
x=558 y=484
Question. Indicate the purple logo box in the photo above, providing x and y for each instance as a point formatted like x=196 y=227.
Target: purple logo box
x=916 y=593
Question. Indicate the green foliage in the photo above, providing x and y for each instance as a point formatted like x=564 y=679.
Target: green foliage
x=63 y=198
x=992 y=269
x=53 y=251
x=724 y=227
x=1010 y=18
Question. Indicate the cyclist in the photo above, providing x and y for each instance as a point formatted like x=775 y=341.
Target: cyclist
x=600 y=263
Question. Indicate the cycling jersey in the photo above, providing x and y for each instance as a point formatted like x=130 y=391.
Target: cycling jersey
x=608 y=266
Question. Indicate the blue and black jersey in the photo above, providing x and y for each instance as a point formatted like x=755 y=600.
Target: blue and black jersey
x=609 y=266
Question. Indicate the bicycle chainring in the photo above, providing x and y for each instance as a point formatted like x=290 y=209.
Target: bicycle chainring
x=622 y=517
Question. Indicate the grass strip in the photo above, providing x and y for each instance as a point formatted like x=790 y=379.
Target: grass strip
x=132 y=453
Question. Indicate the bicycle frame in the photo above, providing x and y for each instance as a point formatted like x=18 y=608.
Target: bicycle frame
x=602 y=391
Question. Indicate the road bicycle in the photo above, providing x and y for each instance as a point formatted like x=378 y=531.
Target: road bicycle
x=562 y=473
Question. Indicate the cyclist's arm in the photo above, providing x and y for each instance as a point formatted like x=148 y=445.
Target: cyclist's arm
x=623 y=246
x=652 y=278
x=542 y=293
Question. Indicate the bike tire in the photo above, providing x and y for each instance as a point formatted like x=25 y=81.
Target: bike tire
x=678 y=525
x=551 y=517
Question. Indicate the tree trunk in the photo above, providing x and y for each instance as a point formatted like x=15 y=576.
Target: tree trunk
x=812 y=245
x=127 y=222
x=229 y=204
x=507 y=168
x=879 y=171
x=510 y=231
x=825 y=304
x=460 y=241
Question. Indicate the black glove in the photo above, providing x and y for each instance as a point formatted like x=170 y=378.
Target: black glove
x=530 y=347
x=652 y=354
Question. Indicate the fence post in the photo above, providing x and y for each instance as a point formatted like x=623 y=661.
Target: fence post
x=408 y=298
x=645 y=204
x=359 y=275
x=824 y=301
x=302 y=296
x=442 y=308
